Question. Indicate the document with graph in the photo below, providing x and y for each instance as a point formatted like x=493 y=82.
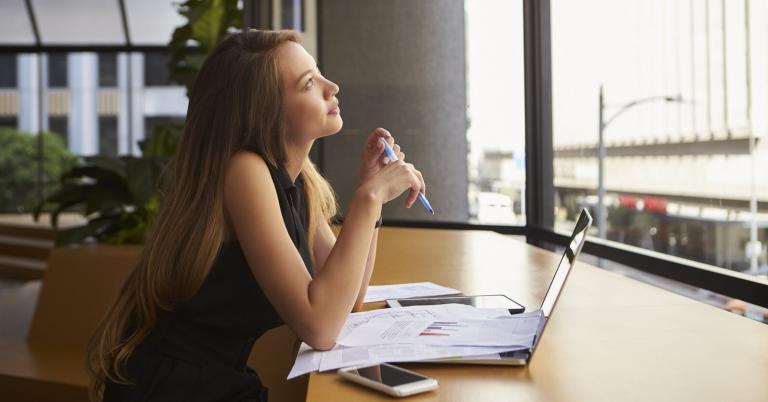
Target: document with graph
x=420 y=333
x=455 y=331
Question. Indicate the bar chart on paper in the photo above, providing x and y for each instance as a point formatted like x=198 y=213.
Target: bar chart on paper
x=442 y=328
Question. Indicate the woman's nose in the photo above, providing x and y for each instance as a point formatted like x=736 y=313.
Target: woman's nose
x=333 y=89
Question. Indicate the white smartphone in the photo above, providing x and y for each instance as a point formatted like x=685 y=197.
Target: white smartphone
x=389 y=379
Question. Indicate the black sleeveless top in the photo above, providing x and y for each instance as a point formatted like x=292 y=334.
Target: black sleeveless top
x=198 y=352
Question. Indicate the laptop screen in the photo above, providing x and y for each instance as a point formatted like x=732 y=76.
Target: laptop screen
x=566 y=262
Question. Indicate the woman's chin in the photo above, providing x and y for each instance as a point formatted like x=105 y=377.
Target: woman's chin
x=336 y=127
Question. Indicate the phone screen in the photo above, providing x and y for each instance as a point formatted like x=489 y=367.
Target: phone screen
x=387 y=375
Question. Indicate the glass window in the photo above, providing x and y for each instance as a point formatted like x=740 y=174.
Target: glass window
x=674 y=90
x=495 y=111
x=293 y=14
x=108 y=135
x=155 y=69
x=7 y=70
x=108 y=70
x=8 y=121
x=57 y=70
x=58 y=125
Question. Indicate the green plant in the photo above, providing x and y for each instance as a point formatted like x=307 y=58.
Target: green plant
x=118 y=196
x=19 y=167
x=208 y=21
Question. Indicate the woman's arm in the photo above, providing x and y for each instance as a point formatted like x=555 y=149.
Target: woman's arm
x=324 y=242
x=315 y=308
x=368 y=271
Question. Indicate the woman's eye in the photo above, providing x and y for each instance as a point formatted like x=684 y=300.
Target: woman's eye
x=310 y=83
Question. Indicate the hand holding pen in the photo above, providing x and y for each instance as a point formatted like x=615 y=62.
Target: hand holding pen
x=379 y=151
x=422 y=198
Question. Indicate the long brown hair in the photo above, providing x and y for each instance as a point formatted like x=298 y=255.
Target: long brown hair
x=234 y=105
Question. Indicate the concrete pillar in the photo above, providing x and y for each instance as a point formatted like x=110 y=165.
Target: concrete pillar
x=123 y=138
x=130 y=117
x=137 y=101
x=29 y=92
x=400 y=65
x=83 y=76
x=44 y=92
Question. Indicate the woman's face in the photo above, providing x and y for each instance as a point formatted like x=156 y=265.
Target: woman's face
x=309 y=99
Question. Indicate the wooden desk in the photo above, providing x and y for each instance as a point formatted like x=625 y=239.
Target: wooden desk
x=610 y=338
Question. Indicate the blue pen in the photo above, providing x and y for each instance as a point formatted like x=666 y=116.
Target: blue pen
x=391 y=155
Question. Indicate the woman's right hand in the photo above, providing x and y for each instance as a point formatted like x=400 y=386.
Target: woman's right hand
x=394 y=179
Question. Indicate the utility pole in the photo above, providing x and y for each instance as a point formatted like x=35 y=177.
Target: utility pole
x=602 y=211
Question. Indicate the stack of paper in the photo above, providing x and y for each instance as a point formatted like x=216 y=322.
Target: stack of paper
x=421 y=333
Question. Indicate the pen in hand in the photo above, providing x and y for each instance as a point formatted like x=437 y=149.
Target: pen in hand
x=422 y=198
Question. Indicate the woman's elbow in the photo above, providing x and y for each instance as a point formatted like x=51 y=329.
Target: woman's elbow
x=322 y=338
x=321 y=344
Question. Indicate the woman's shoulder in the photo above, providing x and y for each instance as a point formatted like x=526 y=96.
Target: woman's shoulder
x=251 y=162
x=245 y=157
x=250 y=197
x=245 y=167
x=247 y=175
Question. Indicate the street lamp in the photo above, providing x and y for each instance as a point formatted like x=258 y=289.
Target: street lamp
x=601 y=211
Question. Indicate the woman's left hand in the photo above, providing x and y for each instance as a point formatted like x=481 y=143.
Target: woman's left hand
x=374 y=157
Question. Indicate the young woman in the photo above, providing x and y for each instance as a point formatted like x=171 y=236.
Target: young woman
x=242 y=243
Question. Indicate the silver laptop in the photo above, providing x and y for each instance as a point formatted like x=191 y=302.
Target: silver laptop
x=523 y=357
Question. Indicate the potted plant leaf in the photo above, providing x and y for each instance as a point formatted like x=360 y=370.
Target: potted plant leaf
x=118 y=196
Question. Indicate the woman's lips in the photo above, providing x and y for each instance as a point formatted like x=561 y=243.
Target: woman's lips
x=335 y=110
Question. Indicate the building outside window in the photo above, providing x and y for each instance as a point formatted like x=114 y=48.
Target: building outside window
x=683 y=87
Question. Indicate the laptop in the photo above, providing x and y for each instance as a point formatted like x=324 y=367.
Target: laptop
x=523 y=357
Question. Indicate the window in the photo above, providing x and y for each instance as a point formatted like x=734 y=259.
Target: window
x=59 y=126
x=495 y=111
x=675 y=90
x=8 y=121
x=107 y=70
x=108 y=135
x=57 y=70
x=293 y=14
x=155 y=69
x=7 y=70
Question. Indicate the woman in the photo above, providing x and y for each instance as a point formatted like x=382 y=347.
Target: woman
x=242 y=243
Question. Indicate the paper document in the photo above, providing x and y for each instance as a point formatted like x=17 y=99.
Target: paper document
x=342 y=356
x=425 y=313
x=483 y=332
x=406 y=290
x=309 y=360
